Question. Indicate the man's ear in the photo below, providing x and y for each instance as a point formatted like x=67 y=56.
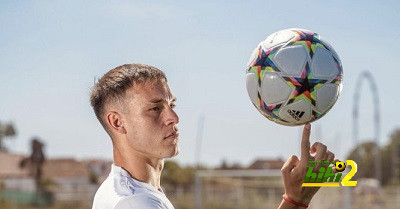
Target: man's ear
x=116 y=122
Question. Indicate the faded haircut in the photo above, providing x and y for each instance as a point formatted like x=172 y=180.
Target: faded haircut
x=112 y=86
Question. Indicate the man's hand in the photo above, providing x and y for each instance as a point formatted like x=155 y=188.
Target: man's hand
x=294 y=170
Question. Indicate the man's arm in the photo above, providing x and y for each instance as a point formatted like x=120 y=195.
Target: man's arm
x=294 y=172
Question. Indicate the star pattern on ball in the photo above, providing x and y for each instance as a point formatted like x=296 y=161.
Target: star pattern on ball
x=269 y=111
x=309 y=40
x=304 y=87
x=263 y=63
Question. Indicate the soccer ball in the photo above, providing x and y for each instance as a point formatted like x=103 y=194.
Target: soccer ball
x=294 y=77
x=340 y=166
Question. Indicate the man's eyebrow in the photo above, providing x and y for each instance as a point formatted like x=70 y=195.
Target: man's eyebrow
x=157 y=100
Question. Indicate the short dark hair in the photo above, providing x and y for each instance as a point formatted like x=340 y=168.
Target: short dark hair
x=112 y=86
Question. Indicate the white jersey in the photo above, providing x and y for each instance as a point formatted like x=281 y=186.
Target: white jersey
x=121 y=191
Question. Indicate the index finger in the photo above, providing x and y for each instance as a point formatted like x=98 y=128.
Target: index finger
x=305 y=143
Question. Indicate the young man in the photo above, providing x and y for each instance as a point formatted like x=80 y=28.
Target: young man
x=136 y=108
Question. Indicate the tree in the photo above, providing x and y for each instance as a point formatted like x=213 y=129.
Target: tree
x=364 y=155
x=6 y=130
x=391 y=159
x=35 y=162
x=176 y=176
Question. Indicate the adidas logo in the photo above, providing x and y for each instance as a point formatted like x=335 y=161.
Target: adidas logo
x=296 y=114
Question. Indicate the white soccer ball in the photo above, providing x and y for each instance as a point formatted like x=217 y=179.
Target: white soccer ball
x=294 y=77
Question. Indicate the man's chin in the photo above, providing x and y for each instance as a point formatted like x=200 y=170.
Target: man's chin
x=175 y=152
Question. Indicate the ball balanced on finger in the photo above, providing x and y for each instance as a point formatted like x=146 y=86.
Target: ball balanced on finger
x=294 y=77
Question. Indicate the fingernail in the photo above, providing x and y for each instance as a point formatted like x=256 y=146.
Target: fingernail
x=308 y=126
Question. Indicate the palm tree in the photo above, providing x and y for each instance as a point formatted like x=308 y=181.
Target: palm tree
x=6 y=130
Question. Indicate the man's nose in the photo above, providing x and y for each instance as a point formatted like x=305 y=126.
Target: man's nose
x=171 y=118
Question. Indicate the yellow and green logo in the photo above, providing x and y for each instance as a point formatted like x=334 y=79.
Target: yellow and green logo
x=327 y=178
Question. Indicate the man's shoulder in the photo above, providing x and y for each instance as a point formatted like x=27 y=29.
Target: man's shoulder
x=120 y=191
x=141 y=201
x=106 y=196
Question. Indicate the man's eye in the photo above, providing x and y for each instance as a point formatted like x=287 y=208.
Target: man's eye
x=173 y=106
x=155 y=109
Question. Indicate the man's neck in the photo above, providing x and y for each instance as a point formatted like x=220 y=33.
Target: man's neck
x=140 y=167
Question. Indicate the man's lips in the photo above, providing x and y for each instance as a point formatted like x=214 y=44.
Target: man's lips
x=174 y=134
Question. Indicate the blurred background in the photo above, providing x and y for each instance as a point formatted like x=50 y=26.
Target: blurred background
x=54 y=153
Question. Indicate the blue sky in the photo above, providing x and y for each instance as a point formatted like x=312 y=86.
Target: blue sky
x=51 y=51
